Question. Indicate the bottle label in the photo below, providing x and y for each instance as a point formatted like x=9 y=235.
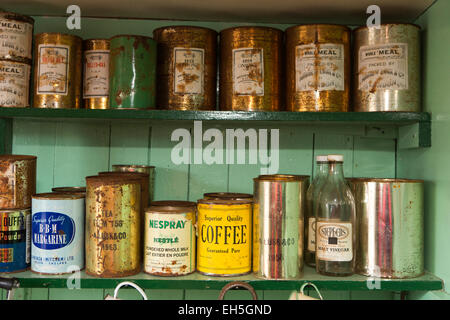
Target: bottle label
x=334 y=241
x=15 y=39
x=189 y=70
x=312 y=234
x=383 y=67
x=96 y=74
x=248 y=72
x=14 y=84
x=319 y=67
x=53 y=67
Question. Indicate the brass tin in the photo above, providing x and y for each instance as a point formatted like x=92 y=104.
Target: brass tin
x=227 y=196
x=17 y=181
x=318 y=68
x=70 y=190
x=150 y=170
x=17 y=37
x=187 y=68
x=14 y=84
x=57 y=71
x=251 y=69
x=113 y=226
x=96 y=73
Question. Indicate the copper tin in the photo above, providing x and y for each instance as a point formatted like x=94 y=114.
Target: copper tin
x=227 y=196
x=17 y=37
x=142 y=169
x=70 y=190
x=251 y=69
x=17 y=181
x=317 y=68
x=57 y=71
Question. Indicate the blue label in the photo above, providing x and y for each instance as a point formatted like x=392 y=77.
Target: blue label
x=52 y=230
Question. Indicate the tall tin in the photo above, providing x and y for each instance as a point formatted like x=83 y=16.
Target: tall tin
x=96 y=73
x=57 y=76
x=17 y=181
x=132 y=69
x=281 y=201
x=387 y=68
x=57 y=238
x=150 y=170
x=113 y=226
x=15 y=235
x=391 y=232
x=14 y=84
x=169 y=241
x=251 y=69
x=186 y=67
x=17 y=37
x=317 y=68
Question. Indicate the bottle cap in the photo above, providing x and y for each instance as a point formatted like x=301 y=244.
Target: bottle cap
x=321 y=158
x=336 y=157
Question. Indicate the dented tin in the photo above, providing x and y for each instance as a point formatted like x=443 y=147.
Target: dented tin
x=17 y=181
x=14 y=84
x=251 y=69
x=150 y=170
x=186 y=67
x=16 y=33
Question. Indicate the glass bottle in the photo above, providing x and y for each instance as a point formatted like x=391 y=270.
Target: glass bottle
x=335 y=223
x=312 y=195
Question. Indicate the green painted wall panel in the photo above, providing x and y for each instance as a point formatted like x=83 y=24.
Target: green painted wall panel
x=76 y=294
x=335 y=144
x=39 y=293
x=164 y=294
x=374 y=158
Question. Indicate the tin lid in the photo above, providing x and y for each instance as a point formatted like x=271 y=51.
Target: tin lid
x=249 y=29
x=225 y=201
x=383 y=180
x=16 y=157
x=69 y=189
x=106 y=179
x=388 y=25
x=131 y=166
x=318 y=25
x=58 y=35
x=15 y=16
x=178 y=27
x=281 y=177
x=14 y=210
x=57 y=196
x=137 y=36
x=124 y=174
x=227 y=195
x=171 y=206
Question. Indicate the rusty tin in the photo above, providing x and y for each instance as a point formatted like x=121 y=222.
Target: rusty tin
x=132 y=70
x=150 y=170
x=251 y=69
x=169 y=238
x=70 y=190
x=227 y=196
x=16 y=37
x=14 y=84
x=96 y=73
x=318 y=68
x=387 y=68
x=17 y=181
x=187 y=68
x=113 y=226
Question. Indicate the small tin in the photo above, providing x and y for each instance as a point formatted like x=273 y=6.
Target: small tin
x=227 y=196
x=57 y=71
x=17 y=180
x=16 y=37
x=169 y=241
x=14 y=84
x=57 y=233
x=75 y=190
x=187 y=67
x=150 y=170
x=15 y=235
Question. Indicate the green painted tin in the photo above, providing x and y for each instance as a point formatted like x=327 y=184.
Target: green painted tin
x=132 y=83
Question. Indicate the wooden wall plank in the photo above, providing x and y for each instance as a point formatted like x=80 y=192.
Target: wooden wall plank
x=76 y=294
x=374 y=158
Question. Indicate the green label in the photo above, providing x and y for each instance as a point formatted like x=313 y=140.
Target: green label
x=161 y=224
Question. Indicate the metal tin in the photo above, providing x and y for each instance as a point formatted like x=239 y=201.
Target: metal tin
x=57 y=76
x=318 y=68
x=169 y=242
x=227 y=196
x=14 y=84
x=150 y=170
x=15 y=232
x=251 y=69
x=71 y=190
x=17 y=181
x=391 y=232
x=17 y=36
x=281 y=201
x=57 y=233
x=224 y=237
x=96 y=73
x=187 y=68
x=132 y=70
x=387 y=68
x=113 y=226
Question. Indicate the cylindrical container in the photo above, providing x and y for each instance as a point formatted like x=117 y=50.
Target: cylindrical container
x=169 y=238
x=57 y=233
x=57 y=76
x=186 y=68
x=318 y=68
x=96 y=73
x=224 y=237
x=14 y=84
x=76 y=190
x=390 y=221
x=16 y=37
x=132 y=72
x=227 y=196
x=15 y=235
x=150 y=170
x=17 y=180
x=251 y=69
x=113 y=226
x=281 y=202
x=387 y=68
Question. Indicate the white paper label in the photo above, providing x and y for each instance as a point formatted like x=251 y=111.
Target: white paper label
x=189 y=70
x=248 y=72
x=334 y=241
x=96 y=74
x=53 y=67
x=312 y=234
x=383 y=67
x=14 y=84
x=319 y=67
x=15 y=39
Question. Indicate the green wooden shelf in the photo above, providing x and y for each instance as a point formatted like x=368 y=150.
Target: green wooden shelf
x=426 y=282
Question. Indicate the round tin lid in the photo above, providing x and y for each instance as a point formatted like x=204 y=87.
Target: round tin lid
x=16 y=157
x=69 y=189
x=15 y=16
x=281 y=177
x=318 y=25
x=227 y=195
x=383 y=180
x=322 y=158
x=131 y=166
x=57 y=196
x=124 y=174
x=171 y=206
x=389 y=25
x=225 y=201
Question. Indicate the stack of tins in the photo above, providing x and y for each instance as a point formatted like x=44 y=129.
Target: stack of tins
x=278 y=220
x=150 y=170
x=186 y=68
x=113 y=225
x=15 y=59
x=17 y=185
